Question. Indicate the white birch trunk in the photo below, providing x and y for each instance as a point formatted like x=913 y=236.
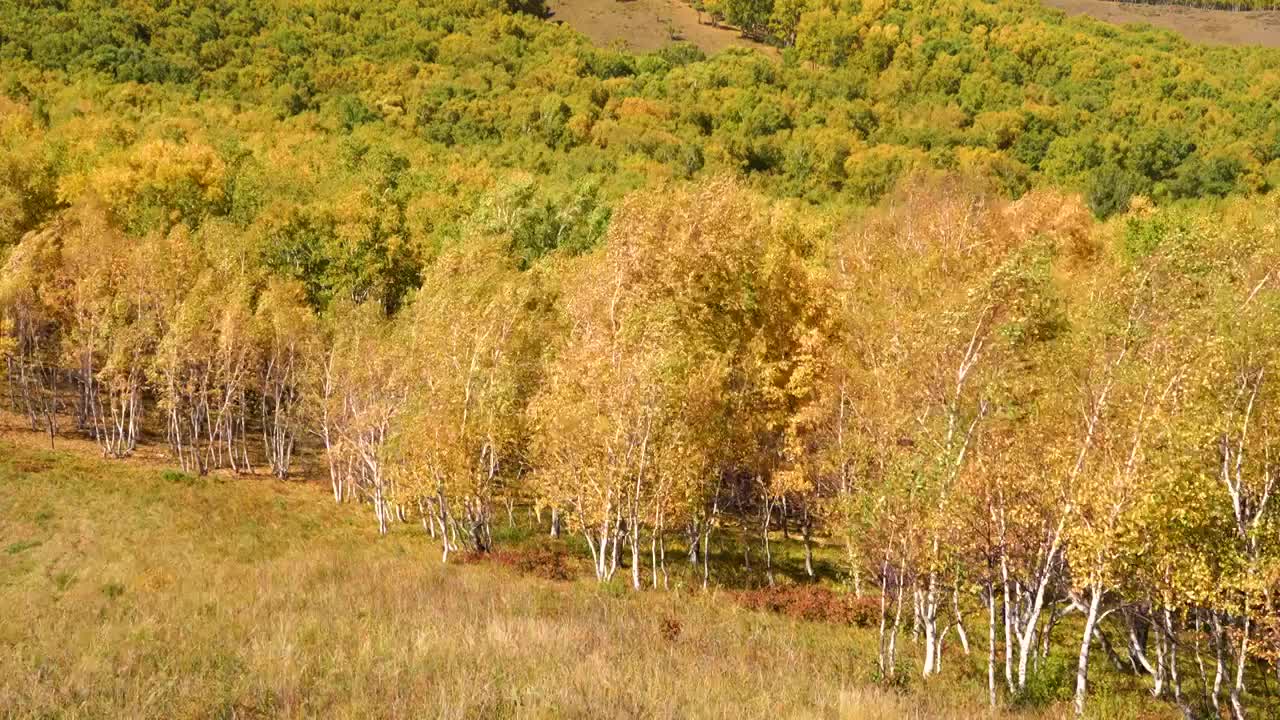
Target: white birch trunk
x=1086 y=640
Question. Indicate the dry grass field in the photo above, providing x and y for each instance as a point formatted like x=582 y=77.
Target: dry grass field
x=131 y=590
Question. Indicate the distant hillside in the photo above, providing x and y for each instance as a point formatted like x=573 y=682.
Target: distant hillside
x=1198 y=22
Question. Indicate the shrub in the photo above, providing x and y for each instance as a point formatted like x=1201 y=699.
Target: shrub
x=669 y=628
x=1109 y=190
x=542 y=562
x=177 y=476
x=864 y=611
x=814 y=603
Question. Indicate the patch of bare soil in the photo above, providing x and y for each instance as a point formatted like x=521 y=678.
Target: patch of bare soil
x=645 y=25
x=1219 y=27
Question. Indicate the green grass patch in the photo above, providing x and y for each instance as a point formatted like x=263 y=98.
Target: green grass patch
x=21 y=546
x=179 y=477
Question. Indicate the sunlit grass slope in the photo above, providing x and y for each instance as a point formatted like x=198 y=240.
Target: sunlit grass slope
x=128 y=590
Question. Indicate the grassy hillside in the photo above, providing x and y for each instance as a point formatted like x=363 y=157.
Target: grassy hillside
x=135 y=591
x=984 y=293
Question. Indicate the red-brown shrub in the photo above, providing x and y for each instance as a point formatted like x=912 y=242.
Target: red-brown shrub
x=541 y=562
x=670 y=629
x=814 y=603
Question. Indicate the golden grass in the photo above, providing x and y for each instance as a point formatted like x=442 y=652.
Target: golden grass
x=128 y=593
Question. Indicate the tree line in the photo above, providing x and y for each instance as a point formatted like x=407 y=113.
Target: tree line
x=1007 y=414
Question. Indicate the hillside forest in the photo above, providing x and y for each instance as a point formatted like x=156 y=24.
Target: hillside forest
x=983 y=296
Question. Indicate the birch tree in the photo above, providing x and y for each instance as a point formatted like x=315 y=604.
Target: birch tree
x=473 y=367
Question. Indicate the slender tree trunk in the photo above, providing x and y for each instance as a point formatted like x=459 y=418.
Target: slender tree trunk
x=1138 y=636
x=991 y=643
x=1204 y=678
x=768 y=552
x=1220 y=668
x=616 y=554
x=662 y=559
x=424 y=517
x=706 y=556
x=695 y=537
x=1086 y=640
x=1175 y=678
x=635 y=552
x=807 y=531
x=379 y=507
x=884 y=620
x=447 y=544
x=653 y=554
x=1162 y=665
x=893 y=630
x=929 y=621
x=1026 y=640
x=708 y=524
x=782 y=518
x=1237 y=688
x=955 y=607
x=1008 y=625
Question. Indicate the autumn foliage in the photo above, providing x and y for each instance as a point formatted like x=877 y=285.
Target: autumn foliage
x=1004 y=412
x=984 y=298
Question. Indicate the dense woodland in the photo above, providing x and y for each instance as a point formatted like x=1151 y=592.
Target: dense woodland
x=950 y=284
